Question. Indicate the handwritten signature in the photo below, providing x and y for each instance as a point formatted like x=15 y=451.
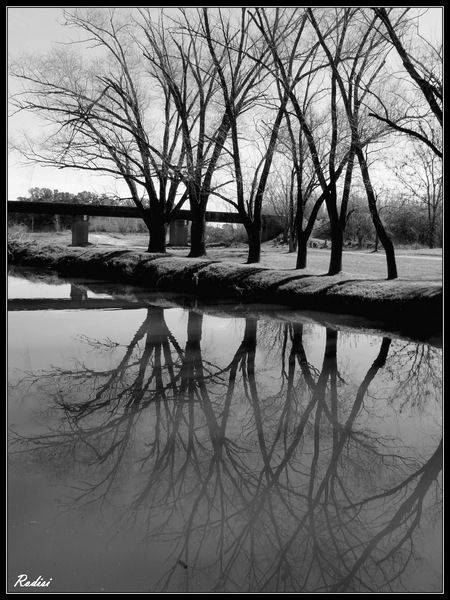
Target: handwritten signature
x=23 y=581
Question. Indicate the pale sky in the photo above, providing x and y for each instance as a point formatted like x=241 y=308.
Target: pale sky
x=36 y=30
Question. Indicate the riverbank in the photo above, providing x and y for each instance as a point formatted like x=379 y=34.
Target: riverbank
x=419 y=264
x=405 y=305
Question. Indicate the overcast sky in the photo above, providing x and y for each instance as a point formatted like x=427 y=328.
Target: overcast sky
x=37 y=29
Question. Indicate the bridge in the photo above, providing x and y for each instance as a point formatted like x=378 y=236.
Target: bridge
x=272 y=225
x=79 y=300
x=32 y=304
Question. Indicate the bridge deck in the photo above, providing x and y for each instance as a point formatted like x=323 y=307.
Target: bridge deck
x=178 y=233
x=65 y=208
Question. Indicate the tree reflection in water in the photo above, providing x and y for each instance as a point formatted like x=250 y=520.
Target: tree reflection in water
x=257 y=489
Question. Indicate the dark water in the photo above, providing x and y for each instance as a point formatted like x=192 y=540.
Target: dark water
x=167 y=449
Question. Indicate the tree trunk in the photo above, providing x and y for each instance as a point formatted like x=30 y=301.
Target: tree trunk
x=194 y=329
x=330 y=355
x=292 y=238
x=337 y=241
x=191 y=368
x=198 y=227
x=192 y=354
x=254 y=243
x=387 y=245
x=431 y=234
x=298 y=350
x=157 y=327
x=377 y=239
x=302 y=250
x=379 y=228
x=249 y=341
x=157 y=230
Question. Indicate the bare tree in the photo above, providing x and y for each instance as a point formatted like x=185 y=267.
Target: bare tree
x=302 y=180
x=295 y=64
x=175 y=47
x=101 y=120
x=340 y=150
x=238 y=77
x=354 y=86
x=420 y=174
x=426 y=73
x=280 y=200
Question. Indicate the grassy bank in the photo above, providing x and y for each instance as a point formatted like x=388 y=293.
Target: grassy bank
x=406 y=305
x=413 y=265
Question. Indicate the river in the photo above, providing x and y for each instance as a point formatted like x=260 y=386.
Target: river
x=160 y=445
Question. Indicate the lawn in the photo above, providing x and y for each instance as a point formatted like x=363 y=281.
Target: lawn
x=412 y=265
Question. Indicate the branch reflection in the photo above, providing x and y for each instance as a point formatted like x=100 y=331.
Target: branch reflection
x=260 y=483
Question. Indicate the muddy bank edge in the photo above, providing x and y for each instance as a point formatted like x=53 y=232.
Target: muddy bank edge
x=406 y=304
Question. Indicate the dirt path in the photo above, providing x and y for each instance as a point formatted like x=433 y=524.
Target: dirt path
x=381 y=255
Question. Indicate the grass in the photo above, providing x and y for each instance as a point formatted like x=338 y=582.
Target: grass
x=413 y=265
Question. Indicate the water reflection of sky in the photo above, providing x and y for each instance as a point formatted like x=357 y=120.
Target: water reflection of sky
x=23 y=288
x=250 y=451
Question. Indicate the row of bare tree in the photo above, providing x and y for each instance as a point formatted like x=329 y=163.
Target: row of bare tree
x=188 y=104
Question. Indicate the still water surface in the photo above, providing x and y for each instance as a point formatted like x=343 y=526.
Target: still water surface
x=157 y=449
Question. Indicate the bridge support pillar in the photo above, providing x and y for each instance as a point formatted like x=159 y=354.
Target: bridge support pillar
x=178 y=233
x=80 y=230
x=77 y=293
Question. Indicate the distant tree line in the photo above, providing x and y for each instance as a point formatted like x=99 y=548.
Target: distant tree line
x=41 y=222
x=186 y=105
x=405 y=221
